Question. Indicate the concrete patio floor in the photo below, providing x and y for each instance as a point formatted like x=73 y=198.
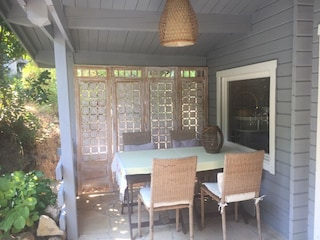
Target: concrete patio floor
x=100 y=218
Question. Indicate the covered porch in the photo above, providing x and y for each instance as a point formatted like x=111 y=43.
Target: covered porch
x=69 y=33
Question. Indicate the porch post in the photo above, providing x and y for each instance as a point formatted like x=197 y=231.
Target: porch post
x=67 y=157
x=316 y=229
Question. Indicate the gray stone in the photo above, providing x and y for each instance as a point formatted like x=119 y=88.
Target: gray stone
x=53 y=212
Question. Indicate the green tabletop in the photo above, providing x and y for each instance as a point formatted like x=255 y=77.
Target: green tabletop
x=140 y=162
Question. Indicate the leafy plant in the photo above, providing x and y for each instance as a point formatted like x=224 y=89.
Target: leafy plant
x=23 y=199
x=16 y=124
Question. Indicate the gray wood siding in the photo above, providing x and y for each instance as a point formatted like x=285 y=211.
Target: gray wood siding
x=282 y=30
x=313 y=116
x=300 y=126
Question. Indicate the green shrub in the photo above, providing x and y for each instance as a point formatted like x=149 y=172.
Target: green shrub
x=23 y=199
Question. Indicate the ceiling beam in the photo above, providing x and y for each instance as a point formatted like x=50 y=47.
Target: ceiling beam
x=18 y=15
x=129 y=20
x=56 y=10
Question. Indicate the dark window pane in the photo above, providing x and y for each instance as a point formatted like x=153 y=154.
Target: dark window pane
x=248 y=109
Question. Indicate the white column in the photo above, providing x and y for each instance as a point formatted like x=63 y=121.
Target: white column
x=67 y=158
x=316 y=229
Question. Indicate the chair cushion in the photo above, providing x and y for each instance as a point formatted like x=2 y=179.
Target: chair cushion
x=214 y=188
x=145 y=194
x=146 y=146
x=192 y=142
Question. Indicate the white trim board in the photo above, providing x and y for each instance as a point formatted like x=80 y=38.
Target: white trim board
x=316 y=233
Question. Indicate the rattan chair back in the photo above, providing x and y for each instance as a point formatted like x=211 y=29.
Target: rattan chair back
x=241 y=181
x=172 y=181
x=136 y=138
x=242 y=173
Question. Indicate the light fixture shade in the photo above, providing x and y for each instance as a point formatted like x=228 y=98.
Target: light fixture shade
x=178 y=24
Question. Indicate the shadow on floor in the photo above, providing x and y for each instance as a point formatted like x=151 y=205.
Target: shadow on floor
x=100 y=218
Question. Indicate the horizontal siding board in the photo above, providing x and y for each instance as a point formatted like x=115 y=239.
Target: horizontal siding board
x=283 y=159
x=283 y=120
x=283 y=107
x=283 y=170
x=303 y=59
x=283 y=144
x=302 y=103
x=300 y=200
x=274 y=216
x=302 y=131
x=301 y=145
x=284 y=132
x=301 y=213
x=302 y=117
x=301 y=160
x=301 y=186
x=257 y=49
x=304 y=28
x=301 y=173
x=303 y=88
x=279 y=182
x=285 y=69
x=298 y=226
x=284 y=95
x=284 y=82
x=271 y=10
x=303 y=43
x=303 y=12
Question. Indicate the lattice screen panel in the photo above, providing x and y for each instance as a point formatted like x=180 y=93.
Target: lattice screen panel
x=93 y=121
x=192 y=105
x=129 y=109
x=161 y=111
x=116 y=99
x=193 y=98
x=93 y=130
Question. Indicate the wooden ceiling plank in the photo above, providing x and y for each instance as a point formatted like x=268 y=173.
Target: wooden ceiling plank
x=127 y=20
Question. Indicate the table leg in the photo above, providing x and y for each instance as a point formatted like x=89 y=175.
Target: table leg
x=129 y=213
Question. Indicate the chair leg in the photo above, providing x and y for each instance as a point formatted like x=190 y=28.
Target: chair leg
x=258 y=219
x=191 y=221
x=177 y=219
x=139 y=216
x=129 y=216
x=202 y=208
x=151 y=223
x=224 y=225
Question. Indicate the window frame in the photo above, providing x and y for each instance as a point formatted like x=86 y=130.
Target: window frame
x=253 y=71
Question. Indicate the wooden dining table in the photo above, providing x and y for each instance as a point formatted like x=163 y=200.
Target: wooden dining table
x=136 y=166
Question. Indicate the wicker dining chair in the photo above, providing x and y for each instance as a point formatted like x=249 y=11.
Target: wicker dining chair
x=240 y=181
x=183 y=138
x=136 y=140
x=133 y=141
x=172 y=187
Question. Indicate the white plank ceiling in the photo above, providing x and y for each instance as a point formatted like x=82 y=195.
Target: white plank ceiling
x=126 y=26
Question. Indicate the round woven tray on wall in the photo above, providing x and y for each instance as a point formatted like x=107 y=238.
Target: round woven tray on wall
x=212 y=139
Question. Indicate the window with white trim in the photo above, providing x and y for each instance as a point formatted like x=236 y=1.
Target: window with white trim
x=246 y=101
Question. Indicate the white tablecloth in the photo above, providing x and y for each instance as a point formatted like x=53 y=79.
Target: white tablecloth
x=140 y=162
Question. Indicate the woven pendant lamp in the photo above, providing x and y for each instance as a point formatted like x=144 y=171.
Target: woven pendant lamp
x=178 y=24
